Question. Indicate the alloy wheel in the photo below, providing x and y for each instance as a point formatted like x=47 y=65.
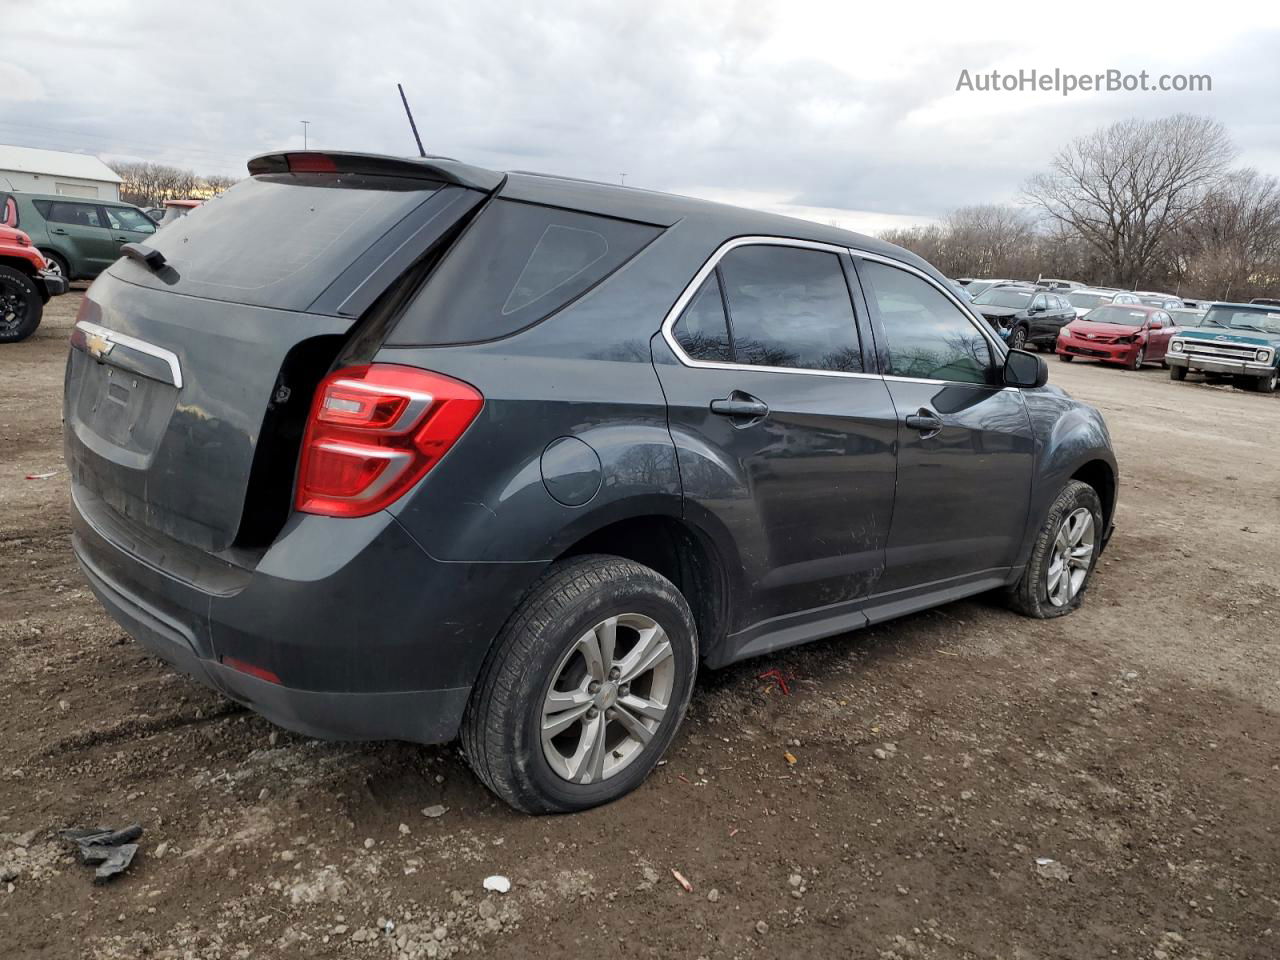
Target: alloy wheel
x=607 y=698
x=1071 y=557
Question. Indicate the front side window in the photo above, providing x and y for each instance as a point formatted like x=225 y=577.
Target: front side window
x=928 y=336
x=125 y=218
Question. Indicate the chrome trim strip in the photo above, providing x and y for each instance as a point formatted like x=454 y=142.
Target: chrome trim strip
x=396 y=461
x=133 y=343
x=980 y=324
x=419 y=401
x=686 y=295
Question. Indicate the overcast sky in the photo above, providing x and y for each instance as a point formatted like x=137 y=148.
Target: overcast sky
x=838 y=111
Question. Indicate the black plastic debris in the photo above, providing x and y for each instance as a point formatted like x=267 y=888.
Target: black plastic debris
x=111 y=850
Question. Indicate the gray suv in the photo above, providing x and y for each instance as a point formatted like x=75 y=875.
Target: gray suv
x=410 y=449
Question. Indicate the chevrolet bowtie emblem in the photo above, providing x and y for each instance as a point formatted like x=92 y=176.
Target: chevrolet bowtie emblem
x=97 y=345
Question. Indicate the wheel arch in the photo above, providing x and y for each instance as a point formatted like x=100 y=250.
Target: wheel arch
x=679 y=550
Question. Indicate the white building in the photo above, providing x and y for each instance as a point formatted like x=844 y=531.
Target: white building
x=27 y=170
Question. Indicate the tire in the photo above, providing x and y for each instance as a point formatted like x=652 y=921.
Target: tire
x=539 y=647
x=20 y=305
x=1267 y=384
x=1018 y=339
x=1030 y=596
x=1138 y=358
x=58 y=264
x=1177 y=373
x=1065 y=357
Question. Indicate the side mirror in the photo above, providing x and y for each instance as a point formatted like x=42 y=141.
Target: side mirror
x=1157 y=324
x=1036 y=309
x=1023 y=369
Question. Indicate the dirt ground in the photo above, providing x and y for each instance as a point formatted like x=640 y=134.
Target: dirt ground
x=967 y=783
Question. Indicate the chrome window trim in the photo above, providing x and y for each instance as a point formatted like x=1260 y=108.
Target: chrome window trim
x=133 y=343
x=979 y=324
x=999 y=351
x=687 y=295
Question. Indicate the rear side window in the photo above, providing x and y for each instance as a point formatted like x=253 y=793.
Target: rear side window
x=278 y=240
x=787 y=307
x=60 y=211
x=517 y=264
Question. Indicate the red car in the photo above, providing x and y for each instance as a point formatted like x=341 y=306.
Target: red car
x=25 y=283
x=1130 y=334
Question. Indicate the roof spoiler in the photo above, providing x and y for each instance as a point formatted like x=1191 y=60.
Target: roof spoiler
x=377 y=164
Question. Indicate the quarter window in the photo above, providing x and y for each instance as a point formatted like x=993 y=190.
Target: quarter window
x=928 y=336
x=703 y=329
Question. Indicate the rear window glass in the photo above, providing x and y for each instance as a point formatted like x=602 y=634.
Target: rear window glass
x=278 y=240
x=517 y=264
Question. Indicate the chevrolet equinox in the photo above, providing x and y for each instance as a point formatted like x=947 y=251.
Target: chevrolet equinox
x=411 y=449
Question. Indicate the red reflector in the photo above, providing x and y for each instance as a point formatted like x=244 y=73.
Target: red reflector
x=311 y=163
x=262 y=673
x=374 y=432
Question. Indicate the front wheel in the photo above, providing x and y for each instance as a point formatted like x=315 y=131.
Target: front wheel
x=584 y=687
x=1138 y=359
x=1065 y=357
x=1177 y=373
x=1268 y=383
x=1063 y=557
x=1018 y=339
x=20 y=305
x=57 y=264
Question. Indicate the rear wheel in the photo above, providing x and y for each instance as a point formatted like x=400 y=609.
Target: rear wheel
x=1062 y=560
x=584 y=688
x=1177 y=373
x=20 y=305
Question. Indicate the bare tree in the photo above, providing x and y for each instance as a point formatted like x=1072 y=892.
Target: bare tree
x=1127 y=188
x=148 y=184
x=1232 y=245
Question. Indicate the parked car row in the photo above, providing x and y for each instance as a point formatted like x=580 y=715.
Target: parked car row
x=1130 y=328
x=27 y=281
x=72 y=239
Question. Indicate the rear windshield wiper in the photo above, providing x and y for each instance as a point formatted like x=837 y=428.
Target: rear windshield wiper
x=147 y=256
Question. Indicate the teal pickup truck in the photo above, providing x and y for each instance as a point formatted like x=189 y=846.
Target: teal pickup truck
x=1241 y=340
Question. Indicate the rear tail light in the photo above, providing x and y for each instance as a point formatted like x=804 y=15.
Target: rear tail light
x=375 y=431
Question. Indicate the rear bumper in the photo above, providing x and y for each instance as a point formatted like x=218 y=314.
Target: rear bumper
x=370 y=637
x=1219 y=365
x=1093 y=350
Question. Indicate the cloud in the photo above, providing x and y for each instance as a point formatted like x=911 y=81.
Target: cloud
x=812 y=108
x=19 y=84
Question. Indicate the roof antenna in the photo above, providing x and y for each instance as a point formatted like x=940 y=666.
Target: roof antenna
x=409 y=113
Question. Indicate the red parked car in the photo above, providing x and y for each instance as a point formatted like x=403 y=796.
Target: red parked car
x=1130 y=334
x=25 y=282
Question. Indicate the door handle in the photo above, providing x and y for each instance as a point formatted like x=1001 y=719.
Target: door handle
x=123 y=239
x=58 y=230
x=740 y=406
x=924 y=420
